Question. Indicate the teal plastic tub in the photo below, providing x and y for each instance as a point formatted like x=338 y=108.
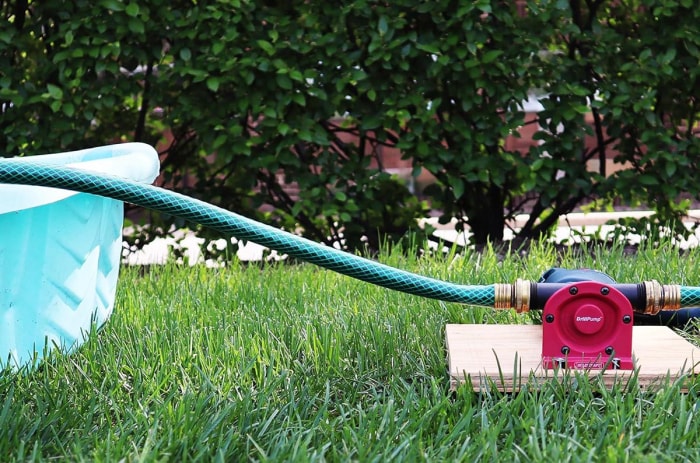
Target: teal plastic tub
x=60 y=253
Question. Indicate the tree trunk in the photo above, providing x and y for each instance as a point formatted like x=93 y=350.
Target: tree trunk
x=485 y=216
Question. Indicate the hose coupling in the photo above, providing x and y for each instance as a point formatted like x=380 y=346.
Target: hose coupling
x=661 y=297
x=516 y=296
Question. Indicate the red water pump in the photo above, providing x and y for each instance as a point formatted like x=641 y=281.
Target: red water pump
x=587 y=323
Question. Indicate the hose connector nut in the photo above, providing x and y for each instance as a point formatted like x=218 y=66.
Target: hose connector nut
x=521 y=295
x=503 y=296
x=653 y=297
x=661 y=297
x=672 y=297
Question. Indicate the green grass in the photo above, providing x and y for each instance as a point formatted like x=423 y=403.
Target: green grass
x=297 y=363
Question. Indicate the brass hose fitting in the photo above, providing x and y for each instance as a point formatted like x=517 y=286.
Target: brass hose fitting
x=503 y=296
x=521 y=296
x=672 y=297
x=658 y=297
x=661 y=297
x=653 y=292
x=516 y=296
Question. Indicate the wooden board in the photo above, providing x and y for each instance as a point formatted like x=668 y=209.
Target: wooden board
x=506 y=356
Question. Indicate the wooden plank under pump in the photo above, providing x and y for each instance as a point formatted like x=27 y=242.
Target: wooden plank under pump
x=508 y=356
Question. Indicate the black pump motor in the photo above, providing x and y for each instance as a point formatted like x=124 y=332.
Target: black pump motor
x=679 y=318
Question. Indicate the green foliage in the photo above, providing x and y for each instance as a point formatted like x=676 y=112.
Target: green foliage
x=442 y=72
x=261 y=86
x=631 y=67
x=282 y=110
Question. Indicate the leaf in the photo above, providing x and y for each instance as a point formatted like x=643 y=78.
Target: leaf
x=457 y=185
x=113 y=5
x=266 y=46
x=219 y=141
x=491 y=55
x=484 y=6
x=132 y=9
x=55 y=92
x=670 y=55
x=648 y=180
x=422 y=149
x=6 y=34
x=136 y=26
x=383 y=26
x=185 y=54
x=670 y=169
x=428 y=47
x=370 y=122
x=218 y=46
x=69 y=109
x=305 y=135
x=284 y=82
x=213 y=84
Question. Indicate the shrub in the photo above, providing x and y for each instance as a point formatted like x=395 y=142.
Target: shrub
x=248 y=99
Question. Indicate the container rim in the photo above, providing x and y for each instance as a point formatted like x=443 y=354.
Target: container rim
x=134 y=161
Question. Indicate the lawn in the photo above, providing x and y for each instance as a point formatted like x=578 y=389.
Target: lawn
x=292 y=362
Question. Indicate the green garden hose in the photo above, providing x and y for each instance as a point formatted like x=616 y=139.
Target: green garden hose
x=229 y=223
x=646 y=297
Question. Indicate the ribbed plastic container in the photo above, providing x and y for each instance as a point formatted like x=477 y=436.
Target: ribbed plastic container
x=60 y=253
